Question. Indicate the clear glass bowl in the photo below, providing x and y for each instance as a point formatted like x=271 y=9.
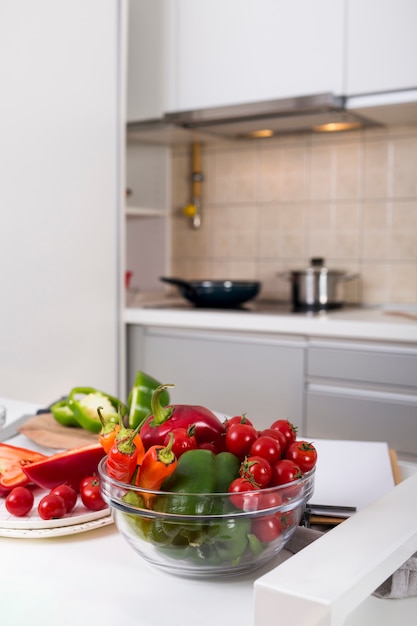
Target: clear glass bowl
x=205 y=535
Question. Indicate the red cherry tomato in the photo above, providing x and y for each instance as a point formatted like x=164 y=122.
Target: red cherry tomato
x=276 y=434
x=19 y=502
x=68 y=494
x=256 y=469
x=267 y=447
x=51 y=507
x=267 y=528
x=241 y=497
x=303 y=453
x=237 y=419
x=90 y=494
x=239 y=438
x=285 y=471
x=287 y=429
x=269 y=499
x=184 y=439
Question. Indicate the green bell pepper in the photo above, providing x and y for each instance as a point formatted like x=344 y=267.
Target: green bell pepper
x=140 y=396
x=63 y=414
x=84 y=401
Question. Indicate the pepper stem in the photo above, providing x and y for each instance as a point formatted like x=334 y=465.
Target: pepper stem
x=160 y=414
x=166 y=455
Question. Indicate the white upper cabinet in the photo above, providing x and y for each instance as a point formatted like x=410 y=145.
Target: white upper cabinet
x=148 y=38
x=242 y=51
x=381 y=46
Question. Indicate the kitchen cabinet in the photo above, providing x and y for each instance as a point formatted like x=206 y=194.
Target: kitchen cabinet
x=242 y=51
x=381 y=46
x=228 y=372
x=147 y=215
x=362 y=391
x=147 y=46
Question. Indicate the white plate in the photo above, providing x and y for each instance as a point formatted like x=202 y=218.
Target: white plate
x=80 y=519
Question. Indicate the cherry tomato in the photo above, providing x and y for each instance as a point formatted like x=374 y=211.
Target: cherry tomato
x=68 y=494
x=269 y=499
x=239 y=438
x=237 y=419
x=51 y=507
x=303 y=453
x=267 y=447
x=90 y=494
x=19 y=502
x=288 y=429
x=267 y=528
x=285 y=471
x=276 y=434
x=184 y=439
x=256 y=469
x=241 y=497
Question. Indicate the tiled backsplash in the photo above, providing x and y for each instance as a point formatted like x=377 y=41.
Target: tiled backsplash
x=270 y=205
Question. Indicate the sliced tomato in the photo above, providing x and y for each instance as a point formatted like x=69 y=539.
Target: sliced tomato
x=12 y=462
x=68 y=467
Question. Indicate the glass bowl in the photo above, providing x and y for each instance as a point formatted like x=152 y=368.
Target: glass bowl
x=206 y=535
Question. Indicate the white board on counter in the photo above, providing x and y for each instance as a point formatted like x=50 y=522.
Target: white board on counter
x=351 y=473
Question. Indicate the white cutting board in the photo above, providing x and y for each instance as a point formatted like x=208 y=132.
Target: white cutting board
x=351 y=473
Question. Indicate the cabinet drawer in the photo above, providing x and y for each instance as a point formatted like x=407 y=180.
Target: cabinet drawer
x=360 y=364
x=350 y=414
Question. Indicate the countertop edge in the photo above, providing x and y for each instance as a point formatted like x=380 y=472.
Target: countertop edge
x=373 y=325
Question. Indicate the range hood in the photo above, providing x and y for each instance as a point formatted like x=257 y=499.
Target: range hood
x=273 y=117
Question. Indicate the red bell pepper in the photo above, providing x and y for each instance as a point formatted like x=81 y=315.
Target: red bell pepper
x=207 y=426
x=68 y=467
x=12 y=462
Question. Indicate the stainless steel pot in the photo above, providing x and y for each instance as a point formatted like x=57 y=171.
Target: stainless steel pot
x=317 y=288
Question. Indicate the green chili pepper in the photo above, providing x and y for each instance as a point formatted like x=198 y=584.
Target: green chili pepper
x=84 y=401
x=227 y=469
x=140 y=396
x=63 y=414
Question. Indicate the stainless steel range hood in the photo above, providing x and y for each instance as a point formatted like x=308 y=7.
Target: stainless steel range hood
x=256 y=119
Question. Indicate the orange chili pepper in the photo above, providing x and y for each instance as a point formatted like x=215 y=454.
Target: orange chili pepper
x=158 y=463
x=108 y=432
x=126 y=433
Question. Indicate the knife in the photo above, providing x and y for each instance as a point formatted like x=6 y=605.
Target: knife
x=12 y=429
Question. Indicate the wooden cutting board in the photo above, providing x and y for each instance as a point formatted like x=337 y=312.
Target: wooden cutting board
x=44 y=430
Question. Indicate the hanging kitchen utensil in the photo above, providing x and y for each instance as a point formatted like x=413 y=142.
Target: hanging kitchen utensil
x=216 y=293
x=193 y=210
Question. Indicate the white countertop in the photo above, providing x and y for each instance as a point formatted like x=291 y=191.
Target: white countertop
x=95 y=577
x=393 y=324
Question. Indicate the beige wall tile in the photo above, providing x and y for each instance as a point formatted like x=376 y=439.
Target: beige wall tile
x=270 y=206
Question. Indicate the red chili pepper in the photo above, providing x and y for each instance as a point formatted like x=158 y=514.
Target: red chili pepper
x=122 y=459
x=127 y=433
x=208 y=427
x=158 y=463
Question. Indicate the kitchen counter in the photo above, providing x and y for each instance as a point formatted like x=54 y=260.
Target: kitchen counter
x=391 y=324
x=95 y=577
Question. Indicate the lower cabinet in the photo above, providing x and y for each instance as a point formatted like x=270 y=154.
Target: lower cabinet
x=329 y=389
x=362 y=392
x=232 y=373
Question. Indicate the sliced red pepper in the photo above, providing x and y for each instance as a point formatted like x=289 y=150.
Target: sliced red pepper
x=68 y=467
x=12 y=462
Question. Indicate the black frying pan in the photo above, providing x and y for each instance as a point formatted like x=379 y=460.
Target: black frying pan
x=216 y=293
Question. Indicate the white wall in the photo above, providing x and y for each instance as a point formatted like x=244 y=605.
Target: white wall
x=61 y=138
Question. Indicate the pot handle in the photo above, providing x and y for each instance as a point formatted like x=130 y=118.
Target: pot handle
x=182 y=285
x=286 y=275
x=347 y=277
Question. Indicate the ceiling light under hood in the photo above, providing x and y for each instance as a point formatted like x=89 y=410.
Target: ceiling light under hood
x=266 y=119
